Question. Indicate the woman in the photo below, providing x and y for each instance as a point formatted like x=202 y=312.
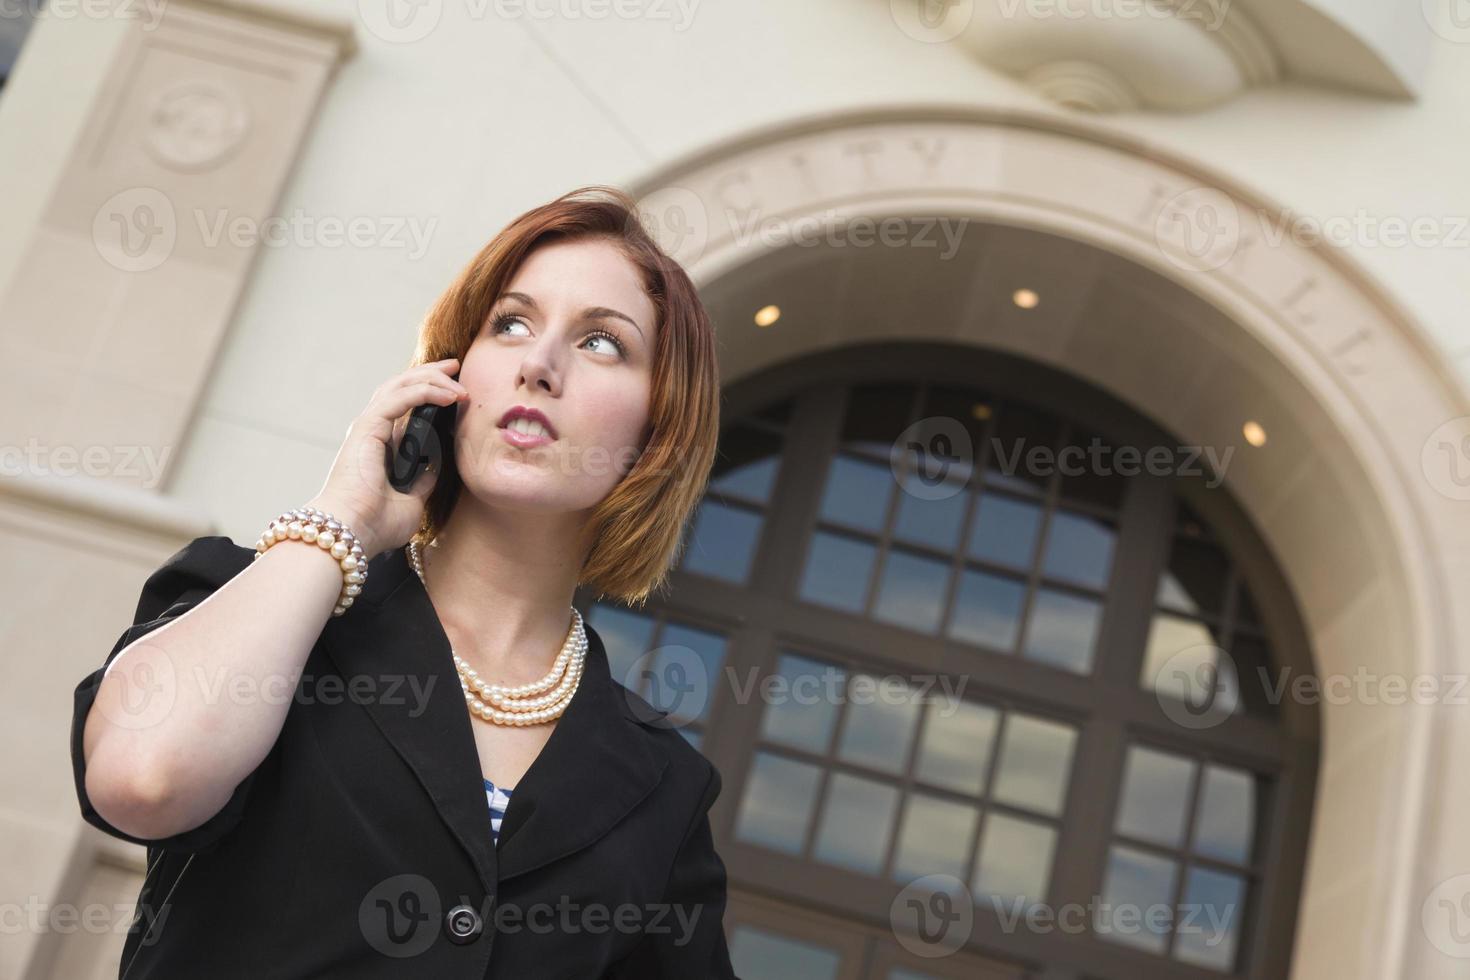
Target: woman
x=388 y=746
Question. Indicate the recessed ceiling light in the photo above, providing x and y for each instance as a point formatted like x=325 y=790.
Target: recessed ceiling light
x=1026 y=299
x=767 y=315
x=1254 y=433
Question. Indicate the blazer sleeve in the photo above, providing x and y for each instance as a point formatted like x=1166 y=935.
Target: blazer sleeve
x=696 y=886
x=178 y=585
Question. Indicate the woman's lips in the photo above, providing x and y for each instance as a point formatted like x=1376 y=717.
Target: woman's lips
x=522 y=440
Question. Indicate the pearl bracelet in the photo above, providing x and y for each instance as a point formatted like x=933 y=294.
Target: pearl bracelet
x=326 y=532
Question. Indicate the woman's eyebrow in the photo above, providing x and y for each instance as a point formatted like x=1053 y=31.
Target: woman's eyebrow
x=590 y=313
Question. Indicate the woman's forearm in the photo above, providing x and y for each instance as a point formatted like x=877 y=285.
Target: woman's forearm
x=187 y=711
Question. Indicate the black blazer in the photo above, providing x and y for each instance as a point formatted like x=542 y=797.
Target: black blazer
x=360 y=847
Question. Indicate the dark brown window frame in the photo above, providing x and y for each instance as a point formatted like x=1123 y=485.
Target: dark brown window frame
x=1109 y=708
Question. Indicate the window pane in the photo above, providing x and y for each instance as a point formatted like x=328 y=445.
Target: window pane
x=935 y=838
x=959 y=737
x=876 y=414
x=880 y=720
x=911 y=592
x=625 y=635
x=1005 y=530
x=779 y=412
x=760 y=955
x=1062 y=630
x=857 y=493
x=932 y=522
x=1155 y=800
x=1079 y=549
x=1246 y=611
x=856 y=823
x=746 y=463
x=683 y=680
x=1035 y=763
x=1226 y=822
x=1209 y=926
x=798 y=711
x=723 y=541
x=1195 y=579
x=1085 y=481
x=1183 y=660
x=1019 y=430
x=1015 y=860
x=777 y=804
x=1137 y=899
x=837 y=571
x=988 y=610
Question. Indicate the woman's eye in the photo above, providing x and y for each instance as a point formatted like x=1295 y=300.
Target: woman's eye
x=503 y=320
x=615 y=345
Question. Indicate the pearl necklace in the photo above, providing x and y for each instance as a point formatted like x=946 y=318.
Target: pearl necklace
x=525 y=704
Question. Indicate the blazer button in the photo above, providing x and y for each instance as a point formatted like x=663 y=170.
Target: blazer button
x=463 y=924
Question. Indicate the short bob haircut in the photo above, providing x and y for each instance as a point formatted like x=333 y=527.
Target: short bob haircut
x=640 y=524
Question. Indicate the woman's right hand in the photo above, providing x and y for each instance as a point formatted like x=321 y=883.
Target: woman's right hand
x=357 y=491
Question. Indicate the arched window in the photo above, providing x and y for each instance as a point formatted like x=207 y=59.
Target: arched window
x=991 y=666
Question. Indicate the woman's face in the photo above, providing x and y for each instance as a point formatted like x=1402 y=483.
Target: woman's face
x=572 y=337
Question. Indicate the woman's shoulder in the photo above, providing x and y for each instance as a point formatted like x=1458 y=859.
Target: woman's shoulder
x=663 y=734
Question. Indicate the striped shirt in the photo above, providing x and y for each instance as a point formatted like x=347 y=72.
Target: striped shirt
x=499 y=800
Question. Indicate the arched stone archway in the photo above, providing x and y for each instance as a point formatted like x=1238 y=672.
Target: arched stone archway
x=1175 y=290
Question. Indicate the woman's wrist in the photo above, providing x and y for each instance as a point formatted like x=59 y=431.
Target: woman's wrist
x=350 y=519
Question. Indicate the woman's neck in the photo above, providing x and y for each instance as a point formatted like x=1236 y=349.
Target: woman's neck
x=502 y=584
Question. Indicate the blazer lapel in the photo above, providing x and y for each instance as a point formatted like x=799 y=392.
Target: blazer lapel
x=595 y=767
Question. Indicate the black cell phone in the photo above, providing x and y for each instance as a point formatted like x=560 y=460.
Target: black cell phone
x=428 y=438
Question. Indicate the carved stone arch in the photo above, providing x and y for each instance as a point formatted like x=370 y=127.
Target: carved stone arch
x=1183 y=294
